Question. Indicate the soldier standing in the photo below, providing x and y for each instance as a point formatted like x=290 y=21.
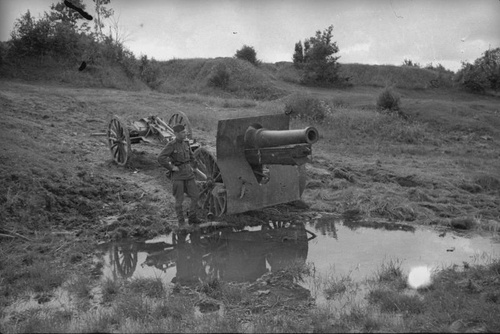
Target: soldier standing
x=179 y=160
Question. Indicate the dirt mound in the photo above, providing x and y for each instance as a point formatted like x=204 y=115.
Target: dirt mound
x=227 y=77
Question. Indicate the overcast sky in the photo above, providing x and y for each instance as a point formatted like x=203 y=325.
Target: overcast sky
x=366 y=32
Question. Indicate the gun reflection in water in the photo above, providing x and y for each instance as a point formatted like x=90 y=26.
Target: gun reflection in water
x=225 y=254
x=123 y=255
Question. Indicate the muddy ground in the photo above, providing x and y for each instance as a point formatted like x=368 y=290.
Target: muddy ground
x=61 y=193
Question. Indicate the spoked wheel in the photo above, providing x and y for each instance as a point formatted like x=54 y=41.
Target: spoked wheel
x=119 y=141
x=276 y=225
x=213 y=196
x=126 y=259
x=181 y=118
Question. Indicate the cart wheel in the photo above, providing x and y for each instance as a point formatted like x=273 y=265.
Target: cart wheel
x=213 y=196
x=275 y=225
x=126 y=259
x=181 y=118
x=119 y=141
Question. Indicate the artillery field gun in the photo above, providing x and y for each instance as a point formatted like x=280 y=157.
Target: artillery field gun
x=258 y=161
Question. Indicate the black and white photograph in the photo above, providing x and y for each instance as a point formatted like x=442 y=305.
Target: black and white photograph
x=267 y=166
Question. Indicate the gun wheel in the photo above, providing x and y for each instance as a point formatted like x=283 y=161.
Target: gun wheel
x=126 y=259
x=213 y=195
x=275 y=225
x=181 y=118
x=119 y=141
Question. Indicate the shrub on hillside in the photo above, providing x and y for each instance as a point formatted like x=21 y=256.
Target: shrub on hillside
x=58 y=37
x=219 y=78
x=247 y=53
x=150 y=72
x=300 y=105
x=483 y=74
x=42 y=37
x=444 y=76
x=409 y=62
x=128 y=63
x=388 y=100
x=4 y=48
x=472 y=78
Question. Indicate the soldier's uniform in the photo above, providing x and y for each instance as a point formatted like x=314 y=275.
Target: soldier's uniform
x=177 y=153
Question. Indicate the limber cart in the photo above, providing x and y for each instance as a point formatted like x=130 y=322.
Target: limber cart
x=257 y=162
x=121 y=136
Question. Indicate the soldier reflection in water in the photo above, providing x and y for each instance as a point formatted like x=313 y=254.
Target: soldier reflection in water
x=190 y=269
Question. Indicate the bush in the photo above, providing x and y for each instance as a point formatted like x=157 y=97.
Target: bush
x=247 y=53
x=302 y=105
x=388 y=100
x=472 y=78
x=55 y=38
x=483 y=74
x=150 y=72
x=4 y=48
x=409 y=62
x=42 y=37
x=220 y=77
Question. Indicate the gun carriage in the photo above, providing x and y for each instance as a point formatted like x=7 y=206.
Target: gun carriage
x=257 y=162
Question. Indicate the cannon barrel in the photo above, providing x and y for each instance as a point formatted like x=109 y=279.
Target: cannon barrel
x=278 y=147
x=258 y=137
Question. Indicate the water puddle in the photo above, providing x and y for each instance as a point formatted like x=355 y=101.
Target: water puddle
x=331 y=246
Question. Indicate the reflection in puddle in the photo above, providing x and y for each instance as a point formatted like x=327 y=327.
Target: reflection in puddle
x=226 y=254
x=333 y=247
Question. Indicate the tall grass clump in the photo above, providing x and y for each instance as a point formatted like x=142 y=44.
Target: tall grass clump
x=305 y=106
x=334 y=287
x=220 y=77
x=150 y=72
x=388 y=100
x=391 y=272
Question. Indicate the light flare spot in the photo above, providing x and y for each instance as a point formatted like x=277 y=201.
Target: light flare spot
x=419 y=277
